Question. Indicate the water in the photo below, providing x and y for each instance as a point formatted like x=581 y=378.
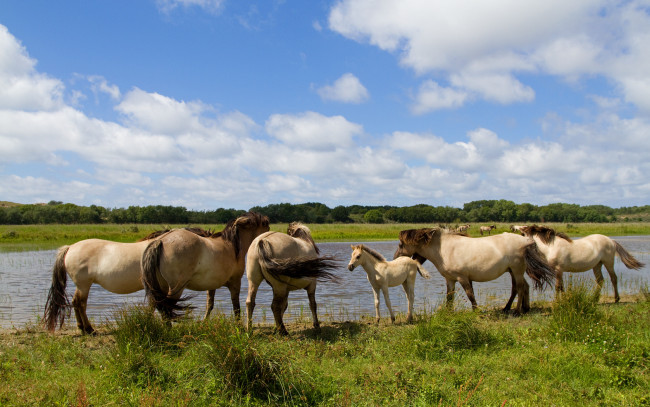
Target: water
x=25 y=278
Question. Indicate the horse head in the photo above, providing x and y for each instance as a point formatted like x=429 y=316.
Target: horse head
x=299 y=231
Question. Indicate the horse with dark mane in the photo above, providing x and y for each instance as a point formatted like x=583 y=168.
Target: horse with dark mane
x=575 y=256
x=287 y=262
x=113 y=265
x=182 y=259
x=463 y=259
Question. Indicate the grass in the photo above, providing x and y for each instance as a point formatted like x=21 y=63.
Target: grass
x=574 y=351
x=46 y=237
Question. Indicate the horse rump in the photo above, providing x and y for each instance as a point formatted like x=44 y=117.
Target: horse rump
x=319 y=268
x=537 y=267
x=168 y=307
x=57 y=300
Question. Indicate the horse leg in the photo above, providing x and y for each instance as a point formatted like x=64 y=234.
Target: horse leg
x=254 y=281
x=375 y=291
x=234 y=286
x=311 y=294
x=559 y=283
x=526 y=306
x=409 y=289
x=520 y=283
x=599 y=277
x=451 y=292
x=209 y=303
x=467 y=285
x=79 y=302
x=513 y=292
x=609 y=266
x=384 y=289
x=278 y=305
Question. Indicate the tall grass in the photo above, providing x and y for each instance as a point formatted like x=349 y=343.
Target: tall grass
x=217 y=353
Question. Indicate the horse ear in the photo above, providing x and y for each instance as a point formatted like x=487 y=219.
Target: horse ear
x=353 y=246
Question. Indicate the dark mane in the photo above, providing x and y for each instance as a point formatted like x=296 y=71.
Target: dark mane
x=373 y=253
x=545 y=234
x=230 y=232
x=196 y=231
x=418 y=236
x=300 y=231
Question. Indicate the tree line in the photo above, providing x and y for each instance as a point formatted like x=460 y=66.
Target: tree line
x=312 y=212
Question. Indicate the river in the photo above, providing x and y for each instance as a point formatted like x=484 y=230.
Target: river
x=25 y=278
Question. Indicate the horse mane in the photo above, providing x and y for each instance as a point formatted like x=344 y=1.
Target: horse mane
x=196 y=231
x=230 y=232
x=418 y=236
x=299 y=231
x=373 y=253
x=545 y=234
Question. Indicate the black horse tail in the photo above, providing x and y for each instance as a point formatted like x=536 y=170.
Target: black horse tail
x=167 y=306
x=537 y=267
x=630 y=261
x=304 y=267
x=57 y=300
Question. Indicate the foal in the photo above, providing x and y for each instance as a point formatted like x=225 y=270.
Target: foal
x=383 y=274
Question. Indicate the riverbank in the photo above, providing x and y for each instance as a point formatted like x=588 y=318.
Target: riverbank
x=47 y=237
x=575 y=351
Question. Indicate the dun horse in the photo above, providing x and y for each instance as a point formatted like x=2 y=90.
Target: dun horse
x=486 y=229
x=462 y=228
x=180 y=260
x=463 y=259
x=114 y=266
x=287 y=262
x=575 y=256
x=383 y=274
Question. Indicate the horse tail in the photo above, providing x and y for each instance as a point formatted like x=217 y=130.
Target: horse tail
x=630 y=261
x=422 y=271
x=537 y=267
x=302 y=267
x=57 y=300
x=168 y=307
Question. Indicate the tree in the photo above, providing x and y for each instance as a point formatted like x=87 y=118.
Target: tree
x=374 y=216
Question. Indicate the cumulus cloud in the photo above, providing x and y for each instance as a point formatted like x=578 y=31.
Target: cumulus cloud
x=313 y=130
x=346 y=89
x=481 y=48
x=21 y=86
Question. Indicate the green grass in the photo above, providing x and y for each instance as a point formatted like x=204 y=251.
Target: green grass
x=45 y=237
x=574 y=351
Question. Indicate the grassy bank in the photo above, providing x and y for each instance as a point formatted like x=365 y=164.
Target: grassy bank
x=572 y=352
x=43 y=237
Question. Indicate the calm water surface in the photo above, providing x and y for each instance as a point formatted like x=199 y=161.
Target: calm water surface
x=25 y=278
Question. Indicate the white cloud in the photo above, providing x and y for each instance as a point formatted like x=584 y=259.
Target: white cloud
x=158 y=113
x=313 y=131
x=432 y=96
x=211 y=6
x=99 y=84
x=21 y=86
x=480 y=48
x=346 y=89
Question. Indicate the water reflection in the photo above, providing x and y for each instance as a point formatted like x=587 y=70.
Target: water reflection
x=25 y=278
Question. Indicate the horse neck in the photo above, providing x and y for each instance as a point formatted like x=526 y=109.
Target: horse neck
x=369 y=263
x=246 y=237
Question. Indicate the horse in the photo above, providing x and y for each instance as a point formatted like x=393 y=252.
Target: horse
x=575 y=256
x=487 y=229
x=383 y=274
x=462 y=228
x=516 y=228
x=286 y=262
x=463 y=259
x=179 y=260
x=113 y=265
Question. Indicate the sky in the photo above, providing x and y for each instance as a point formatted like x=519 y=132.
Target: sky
x=221 y=103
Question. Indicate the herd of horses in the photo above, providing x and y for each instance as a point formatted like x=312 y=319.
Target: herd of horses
x=167 y=262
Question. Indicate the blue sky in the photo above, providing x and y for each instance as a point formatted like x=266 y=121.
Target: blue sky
x=222 y=103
